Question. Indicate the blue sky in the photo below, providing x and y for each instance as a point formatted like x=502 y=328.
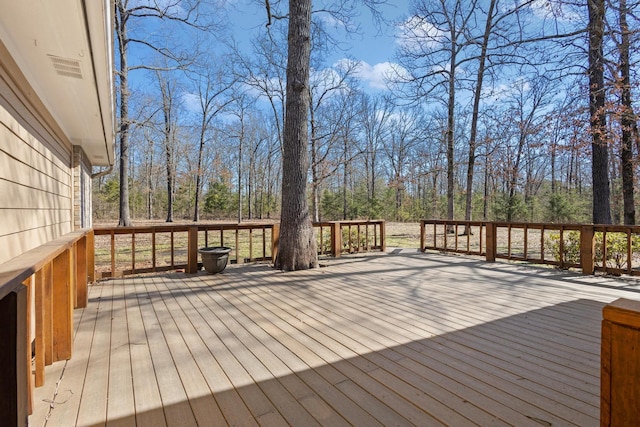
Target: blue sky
x=374 y=47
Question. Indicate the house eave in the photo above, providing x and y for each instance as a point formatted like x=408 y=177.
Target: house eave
x=65 y=51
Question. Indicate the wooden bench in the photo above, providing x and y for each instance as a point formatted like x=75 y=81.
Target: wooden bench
x=39 y=288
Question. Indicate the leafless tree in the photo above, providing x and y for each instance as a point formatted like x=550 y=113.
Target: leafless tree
x=168 y=89
x=127 y=13
x=376 y=113
x=212 y=87
x=333 y=107
x=435 y=47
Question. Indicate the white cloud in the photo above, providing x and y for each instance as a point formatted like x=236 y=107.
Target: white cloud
x=553 y=9
x=506 y=90
x=191 y=102
x=416 y=33
x=375 y=76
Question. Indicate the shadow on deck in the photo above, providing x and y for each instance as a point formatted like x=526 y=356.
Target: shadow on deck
x=406 y=339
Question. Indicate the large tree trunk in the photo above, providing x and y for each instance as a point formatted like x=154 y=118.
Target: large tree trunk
x=297 y=249
x=627 y=121
x=600 y=153
x=450 y=134
x=121 y=33
x=476 y=113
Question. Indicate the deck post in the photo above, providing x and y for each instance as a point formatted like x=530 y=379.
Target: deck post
x=336 y=239
x=91 y=255
x=275 y=241
x=14 y=379
x=192 y=250
x=587 y=249
x=62 y=303
x=383 y=236
x=82 y=294
x=492 y=243
x=423 y=234
x=620 y=364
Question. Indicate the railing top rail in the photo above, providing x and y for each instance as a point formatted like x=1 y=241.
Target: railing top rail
x=617 y=228
x=547 y=225
x=166 y=228
x=348 y=222
x=18 y=269
x=103 y=230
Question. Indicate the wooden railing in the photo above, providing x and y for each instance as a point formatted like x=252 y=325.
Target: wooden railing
x=40 y=288
x=613 y=249
x=129 y=250
x=346 y=237
x=38 y=292
x=122 y=251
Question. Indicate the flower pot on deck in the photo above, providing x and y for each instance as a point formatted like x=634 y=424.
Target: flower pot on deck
x=214 y=258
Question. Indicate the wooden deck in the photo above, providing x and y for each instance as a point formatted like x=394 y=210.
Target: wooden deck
x=398 y=339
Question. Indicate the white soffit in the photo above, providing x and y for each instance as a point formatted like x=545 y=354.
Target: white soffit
x=64 y=48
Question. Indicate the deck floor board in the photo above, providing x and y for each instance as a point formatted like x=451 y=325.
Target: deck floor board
x=397 y=339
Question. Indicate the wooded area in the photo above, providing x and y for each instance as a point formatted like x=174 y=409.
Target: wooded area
x=488 y=114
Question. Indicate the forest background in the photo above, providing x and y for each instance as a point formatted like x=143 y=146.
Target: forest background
x=481 y=110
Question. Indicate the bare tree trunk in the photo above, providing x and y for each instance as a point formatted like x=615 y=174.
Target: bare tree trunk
x=196 y=204
x=450 y=135
x=297 y=248
x=167 y=109
x=476 y=113
x=553 y=167
x=345 y=181
x=485 y=199
x=241 y=143
x=149 y=178
x=600 y=153
x=121 y=33
x=627 y=121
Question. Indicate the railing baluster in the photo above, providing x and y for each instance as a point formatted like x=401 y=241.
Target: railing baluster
x=561 y=254
x=542 y=243
x=237 y=247
x=366 y=237
x=629 y=252
x=153 y=249
x=133 y=252
x=250 y=244
x=172 y=255
x=113 y=254
x=468 y=228
x=604 y=248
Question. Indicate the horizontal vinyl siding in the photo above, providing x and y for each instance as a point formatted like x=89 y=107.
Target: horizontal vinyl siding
x=36 y=179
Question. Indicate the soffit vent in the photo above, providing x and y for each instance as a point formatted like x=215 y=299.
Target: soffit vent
x=66 y=67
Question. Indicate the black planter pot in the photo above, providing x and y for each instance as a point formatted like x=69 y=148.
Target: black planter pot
x=214 y=258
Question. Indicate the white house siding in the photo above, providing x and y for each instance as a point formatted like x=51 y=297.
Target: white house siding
x=36 y=179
